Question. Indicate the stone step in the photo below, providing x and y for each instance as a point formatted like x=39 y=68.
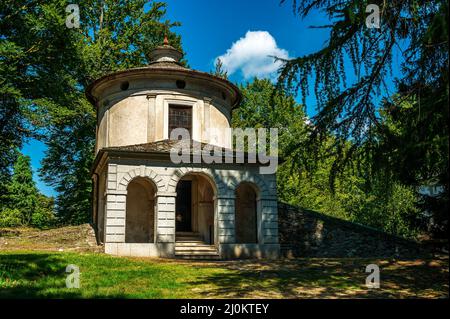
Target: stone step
x=189 y=240
x=198 y=257
x=195 y=248
x=196 y=253
x=192 y=243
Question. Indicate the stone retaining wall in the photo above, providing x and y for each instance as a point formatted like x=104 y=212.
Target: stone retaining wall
x=310 y=234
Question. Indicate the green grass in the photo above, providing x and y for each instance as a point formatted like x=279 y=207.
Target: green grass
x=41 y=274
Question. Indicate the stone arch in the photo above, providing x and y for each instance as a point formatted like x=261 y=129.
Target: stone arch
x=256 y=181
x=215 y=180
x=145 y=172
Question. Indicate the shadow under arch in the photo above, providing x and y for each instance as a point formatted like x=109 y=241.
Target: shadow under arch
x=140 y=217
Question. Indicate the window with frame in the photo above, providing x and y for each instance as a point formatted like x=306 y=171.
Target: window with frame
x=180 y=116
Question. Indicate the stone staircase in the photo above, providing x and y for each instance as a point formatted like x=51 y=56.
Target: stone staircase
x=190 y=245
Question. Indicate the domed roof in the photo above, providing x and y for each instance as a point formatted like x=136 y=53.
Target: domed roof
x=164 y=59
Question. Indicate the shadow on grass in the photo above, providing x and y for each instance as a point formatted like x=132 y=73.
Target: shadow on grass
x=329 y=278
x=37 y=275
x=42 y=275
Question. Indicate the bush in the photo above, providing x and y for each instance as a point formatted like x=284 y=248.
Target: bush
x=42 y=219
x=10 y=217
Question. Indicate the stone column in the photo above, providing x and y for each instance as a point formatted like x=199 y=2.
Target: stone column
x=95 y=202
x=151 y=97
x=206 y=120
x=165 y=223
x=115 y=216
x=269 y=218
x=226 y=220
x=115 y=208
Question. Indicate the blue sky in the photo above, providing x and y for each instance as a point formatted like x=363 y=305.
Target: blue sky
x=211 y=28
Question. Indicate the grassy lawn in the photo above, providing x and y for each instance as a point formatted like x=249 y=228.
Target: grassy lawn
x=41 y=274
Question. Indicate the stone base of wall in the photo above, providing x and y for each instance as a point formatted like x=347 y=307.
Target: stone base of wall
x=227 y=251
x=310 y=234
x=234 y=251
x=140 y=250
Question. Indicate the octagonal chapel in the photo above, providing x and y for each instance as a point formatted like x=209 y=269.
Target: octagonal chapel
x=144 y=203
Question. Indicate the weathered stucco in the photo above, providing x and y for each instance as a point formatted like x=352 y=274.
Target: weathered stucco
x=148 y=110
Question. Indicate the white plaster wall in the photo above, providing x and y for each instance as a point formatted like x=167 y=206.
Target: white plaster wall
x=128 y=121
x=140 y=114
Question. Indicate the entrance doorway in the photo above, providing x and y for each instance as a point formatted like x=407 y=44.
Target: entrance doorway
x=183 y=206
x=194 y=209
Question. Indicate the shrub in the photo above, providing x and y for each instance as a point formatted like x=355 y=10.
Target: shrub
x=10 y=217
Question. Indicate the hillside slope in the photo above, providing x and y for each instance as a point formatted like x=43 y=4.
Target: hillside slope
x=69 y=238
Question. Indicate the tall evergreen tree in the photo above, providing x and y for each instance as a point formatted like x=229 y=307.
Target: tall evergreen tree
x=22 y=192
x=22 y=203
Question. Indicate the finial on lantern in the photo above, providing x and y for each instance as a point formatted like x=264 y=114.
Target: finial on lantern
x=165 y=53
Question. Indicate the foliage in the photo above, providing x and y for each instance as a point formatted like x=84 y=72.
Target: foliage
x=348 y=111
x=48 y=67
x=10 y=217
x=219 y=70
x=408 y=145
x=257 y=111
x=30 y=44
x=23 y=204
x=44 y=215
x=390 y=208
x=412 y=147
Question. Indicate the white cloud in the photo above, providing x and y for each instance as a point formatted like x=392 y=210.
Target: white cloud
x=253 y=55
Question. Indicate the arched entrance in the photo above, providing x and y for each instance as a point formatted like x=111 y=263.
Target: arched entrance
x=246 y=214
x=194 y=207
x=140 y=211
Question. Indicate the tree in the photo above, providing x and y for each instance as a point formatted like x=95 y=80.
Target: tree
x=349 y=110
x=303 y=177
x=264 y=107
x=34 y=50
x=219 y=70
x=412 y=148
x=23 y=204
x=55 y=64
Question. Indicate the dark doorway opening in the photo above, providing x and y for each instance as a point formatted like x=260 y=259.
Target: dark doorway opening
x=183 y=206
